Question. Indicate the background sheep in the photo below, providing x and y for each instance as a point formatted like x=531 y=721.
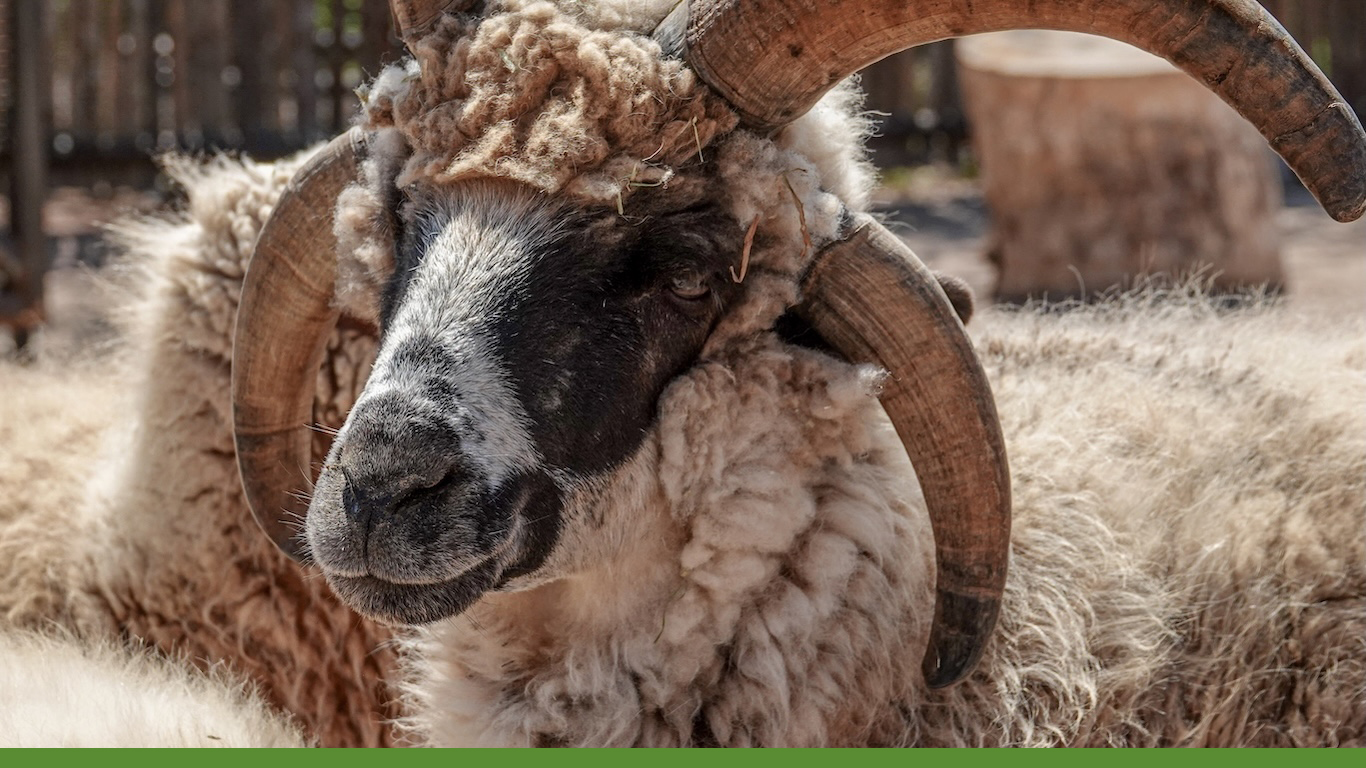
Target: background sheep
x=744 y=683
x=125 y=517
x=63 y=692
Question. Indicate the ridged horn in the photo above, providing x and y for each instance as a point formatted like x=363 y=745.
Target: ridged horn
x=874 y=301
x=283 y=320
x=412 y=18
x=773 y=59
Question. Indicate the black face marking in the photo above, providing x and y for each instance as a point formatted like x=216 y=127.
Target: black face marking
x=793 y=329
x=519 y=358
x=597 y=330
x=543 y=516
x=409 y=245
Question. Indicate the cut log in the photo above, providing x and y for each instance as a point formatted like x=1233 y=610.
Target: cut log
x=1102 y=164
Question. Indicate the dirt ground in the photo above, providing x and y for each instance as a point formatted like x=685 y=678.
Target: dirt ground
x=942 y=217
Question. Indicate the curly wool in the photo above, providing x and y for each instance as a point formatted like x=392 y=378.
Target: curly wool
x=1188 y=560
x=536 y=94
x=139 y=528
x=533 y=95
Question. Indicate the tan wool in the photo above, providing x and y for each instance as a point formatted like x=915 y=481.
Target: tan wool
x=531 y=94
x=1188 y=556
x=534 y=93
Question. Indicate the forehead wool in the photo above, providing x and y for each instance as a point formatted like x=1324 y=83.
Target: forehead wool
x=539 y=93
x=533 y=95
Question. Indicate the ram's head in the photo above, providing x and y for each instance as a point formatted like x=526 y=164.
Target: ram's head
x=549 y=223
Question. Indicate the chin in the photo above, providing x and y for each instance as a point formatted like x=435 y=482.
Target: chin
x=411 y=604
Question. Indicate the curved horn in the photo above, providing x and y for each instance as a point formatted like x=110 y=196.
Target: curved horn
x=773 y=59
x=873 y=300
x=283 y=320
x=412 y=18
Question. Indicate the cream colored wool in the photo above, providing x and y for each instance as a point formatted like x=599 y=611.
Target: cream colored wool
x=52 y=418
x=532 y=95
x=1188 y=557
x=138 y=527
x=536 y=94
x=61 y=692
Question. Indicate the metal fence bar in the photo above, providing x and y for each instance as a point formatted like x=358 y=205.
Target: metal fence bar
x=22 y=301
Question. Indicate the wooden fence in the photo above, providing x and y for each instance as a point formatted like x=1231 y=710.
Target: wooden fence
x=129 y=77
x=90 y=89
x=1334 y=33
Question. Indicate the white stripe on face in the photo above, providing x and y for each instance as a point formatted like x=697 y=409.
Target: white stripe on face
x=478 y=242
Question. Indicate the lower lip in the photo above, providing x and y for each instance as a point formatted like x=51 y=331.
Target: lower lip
x=394 y=603
x=413 y=603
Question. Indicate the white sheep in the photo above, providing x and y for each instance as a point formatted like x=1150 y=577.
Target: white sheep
x=131 y=521
x=759 y=567
x=65 y=692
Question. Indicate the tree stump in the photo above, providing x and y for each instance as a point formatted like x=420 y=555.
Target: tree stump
x=1102 y=164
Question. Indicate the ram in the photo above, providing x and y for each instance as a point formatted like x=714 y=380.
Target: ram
x=623 y=451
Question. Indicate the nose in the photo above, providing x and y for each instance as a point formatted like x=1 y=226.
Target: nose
x=392 y=467
x=370 y=498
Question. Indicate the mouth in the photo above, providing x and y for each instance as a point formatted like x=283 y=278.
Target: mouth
x=392 y=603
x=381 y=586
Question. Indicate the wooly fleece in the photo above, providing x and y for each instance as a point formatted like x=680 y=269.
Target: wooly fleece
x=123 y=515
x=141 y=529
x=763 y=567
x=1187 y=557
x=1188 y=560
x=62 y=692
x=51 y=420
x=539 y=94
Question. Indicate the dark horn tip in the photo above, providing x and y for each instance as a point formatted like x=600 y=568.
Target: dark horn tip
x=1329 y=156
x=961 y=628
x=1348 y=212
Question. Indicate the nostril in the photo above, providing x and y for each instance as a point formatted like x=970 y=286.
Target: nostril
x=360 y=502
x=430 y=489
x=365 y=502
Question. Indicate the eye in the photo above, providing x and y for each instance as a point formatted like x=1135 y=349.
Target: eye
x=690 y=287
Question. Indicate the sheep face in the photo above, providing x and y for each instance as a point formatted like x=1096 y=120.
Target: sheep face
x=524 y=346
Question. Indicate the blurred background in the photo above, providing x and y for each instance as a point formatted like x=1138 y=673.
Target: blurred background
x=92 y=90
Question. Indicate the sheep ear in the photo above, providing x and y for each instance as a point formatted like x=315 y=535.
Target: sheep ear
x=773 y=59
x=874 y=301
x=283 y=319
x=959 y=294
